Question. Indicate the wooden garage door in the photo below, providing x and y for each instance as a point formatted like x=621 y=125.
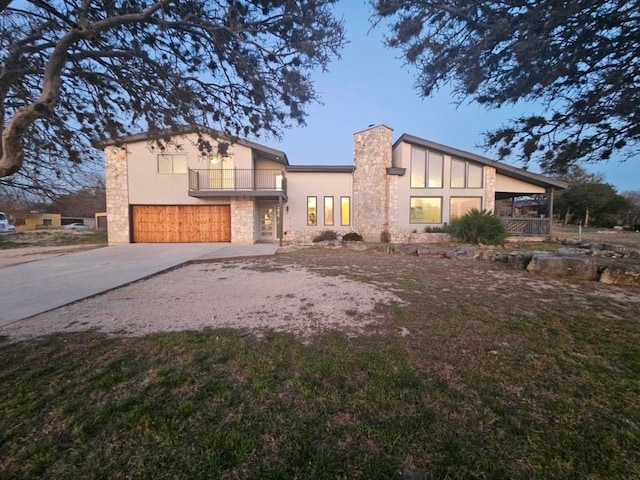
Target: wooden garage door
x=181 y=224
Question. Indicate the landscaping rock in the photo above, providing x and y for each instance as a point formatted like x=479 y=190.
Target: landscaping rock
x=357 y=246
x=519 y=260
x=431 y=252
x=564 y=266
x=460 y=253
x=621 y=273
x=404 y=249
x=572 y=251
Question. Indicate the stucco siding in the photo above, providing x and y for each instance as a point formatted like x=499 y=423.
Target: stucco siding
x=148 y=187
x=513 y=185
x=300 y=186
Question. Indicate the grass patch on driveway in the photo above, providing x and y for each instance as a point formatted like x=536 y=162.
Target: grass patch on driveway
x=497 y=374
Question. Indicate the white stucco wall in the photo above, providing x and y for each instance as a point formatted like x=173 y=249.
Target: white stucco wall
x=512 y=185
x=148 y=187
x=301 y=185
x=402 y=158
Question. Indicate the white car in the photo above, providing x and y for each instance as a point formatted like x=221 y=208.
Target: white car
x=5 y=226
x=76 y=226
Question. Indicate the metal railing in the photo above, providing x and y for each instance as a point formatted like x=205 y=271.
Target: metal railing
x=527 y=226
x=237 y=179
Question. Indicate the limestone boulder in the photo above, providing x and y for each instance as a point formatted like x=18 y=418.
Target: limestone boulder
x=583 y=268
x=621 y=273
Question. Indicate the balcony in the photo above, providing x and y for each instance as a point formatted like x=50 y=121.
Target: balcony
x=237 y=183
x=527 y=226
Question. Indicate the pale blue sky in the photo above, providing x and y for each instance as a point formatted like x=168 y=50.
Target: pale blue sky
x=370 y=85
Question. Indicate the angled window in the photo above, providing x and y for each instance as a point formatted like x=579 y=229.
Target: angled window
x=418 y=168
x=435 y=168
x=458 y=173
x=474 y=176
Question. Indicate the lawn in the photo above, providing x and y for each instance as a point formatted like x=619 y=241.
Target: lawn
x=487 y=373
x=52 y=238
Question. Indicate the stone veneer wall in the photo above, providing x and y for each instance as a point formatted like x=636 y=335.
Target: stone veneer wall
x=490 y=189
x=371 y=157
x=117 y=188
x=242 y=220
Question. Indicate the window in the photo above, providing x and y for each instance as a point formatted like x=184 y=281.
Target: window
x=465 y=174
x=460 y=206
x=345 y=211
x=47 y=222
x=426 y=169
x=426 y=210
x=418 y=168
x=436 y=161
x=312 y=211
x=474 y=176
x=458 y=173
x=328 y=210
x=172 y=163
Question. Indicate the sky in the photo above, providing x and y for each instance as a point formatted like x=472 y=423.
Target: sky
x=371 y=85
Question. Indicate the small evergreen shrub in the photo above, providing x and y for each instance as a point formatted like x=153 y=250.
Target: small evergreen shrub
x=435 y=229
x=478 y=227
x=352 y=237
x=385 y=237
x=326 y=235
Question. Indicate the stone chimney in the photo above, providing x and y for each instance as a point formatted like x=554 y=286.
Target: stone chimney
x=371 y=158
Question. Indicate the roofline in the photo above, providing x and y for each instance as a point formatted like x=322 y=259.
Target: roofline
x=518 y=173
x=273 y=154
x=320 y=168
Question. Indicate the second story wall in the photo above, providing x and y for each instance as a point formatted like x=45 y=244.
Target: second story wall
x=161 y=177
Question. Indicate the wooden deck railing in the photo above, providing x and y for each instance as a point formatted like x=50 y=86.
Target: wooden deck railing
x=527 y=226
x=237 y=179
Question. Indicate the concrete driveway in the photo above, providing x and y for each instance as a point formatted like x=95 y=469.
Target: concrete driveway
x=36 y=287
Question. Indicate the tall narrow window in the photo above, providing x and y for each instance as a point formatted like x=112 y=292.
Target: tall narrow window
x=474 y=176
x=312 y=211
x=458 y=173
x=418 y=168
x=345 y=211
x=436 y=162
x=328 y=210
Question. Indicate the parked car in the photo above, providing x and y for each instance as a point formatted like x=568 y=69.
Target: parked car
x=76 y=226
x=5 y=226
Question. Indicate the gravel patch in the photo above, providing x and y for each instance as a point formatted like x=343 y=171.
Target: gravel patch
x=238 y=295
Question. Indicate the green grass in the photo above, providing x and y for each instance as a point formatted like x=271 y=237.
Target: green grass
x=500 y=378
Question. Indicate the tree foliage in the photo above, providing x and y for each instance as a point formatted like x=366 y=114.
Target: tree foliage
x=589 y=201
x=74 y=72
x=580 y=60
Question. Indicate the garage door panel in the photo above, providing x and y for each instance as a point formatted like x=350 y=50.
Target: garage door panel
x=181 y=224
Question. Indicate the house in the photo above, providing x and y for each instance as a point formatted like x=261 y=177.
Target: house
x=244 y=192
x=37 y=221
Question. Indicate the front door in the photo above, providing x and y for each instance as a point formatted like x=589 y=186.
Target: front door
x=268 y=223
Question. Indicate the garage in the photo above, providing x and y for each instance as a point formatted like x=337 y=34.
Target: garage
x=181 y=223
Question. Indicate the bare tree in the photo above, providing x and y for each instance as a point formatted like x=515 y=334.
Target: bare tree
x=74 y=72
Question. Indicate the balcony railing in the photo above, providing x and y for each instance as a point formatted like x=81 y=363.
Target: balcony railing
x=527 y=226
x=237 y=180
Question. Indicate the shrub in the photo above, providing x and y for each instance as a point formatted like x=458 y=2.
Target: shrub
x=326 y=235
x=352 y=237
x=478 y=227
x=435 y=229
x=385 y=237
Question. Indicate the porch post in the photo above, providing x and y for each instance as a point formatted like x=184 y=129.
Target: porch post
x=280 y=219
x=550 y=209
